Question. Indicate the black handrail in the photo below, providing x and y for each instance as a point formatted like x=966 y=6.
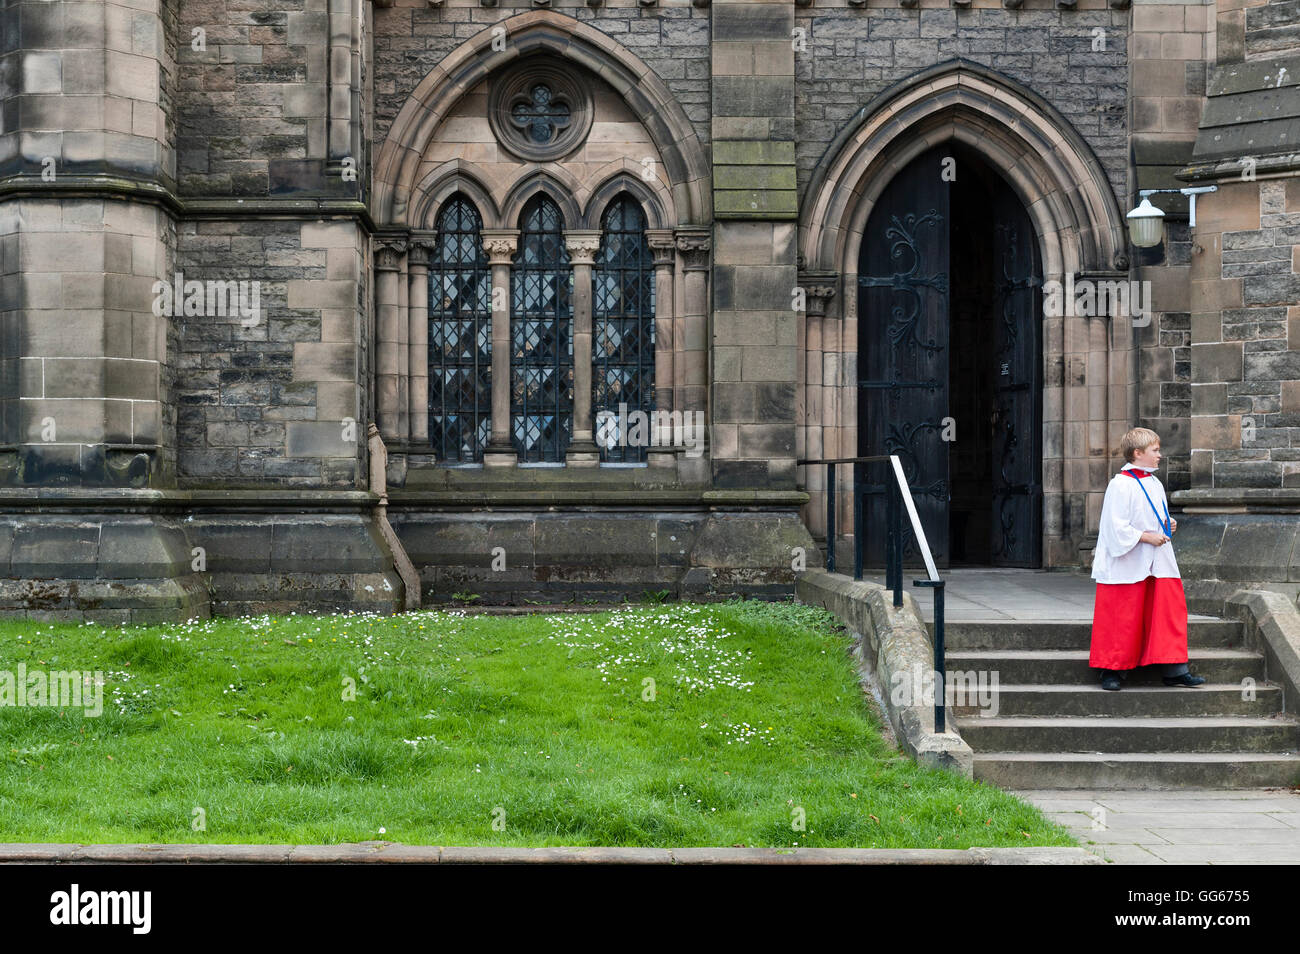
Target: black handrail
x=897 y=497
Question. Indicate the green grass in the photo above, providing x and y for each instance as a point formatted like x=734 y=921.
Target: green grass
x=543 y=723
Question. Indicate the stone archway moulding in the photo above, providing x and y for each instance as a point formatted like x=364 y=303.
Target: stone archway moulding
x=1087 y=391
x=1049 y=165
x=537 y=32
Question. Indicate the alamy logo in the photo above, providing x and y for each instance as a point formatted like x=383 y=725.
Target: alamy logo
x=974 y=689
x=103 y=907
x=59 y=689
x=1088 y=298
x=651 y=429
x=209 y=299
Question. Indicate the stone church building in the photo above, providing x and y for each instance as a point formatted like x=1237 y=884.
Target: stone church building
x=600 y=273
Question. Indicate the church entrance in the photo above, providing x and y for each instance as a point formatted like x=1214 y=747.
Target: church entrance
x=950 y=361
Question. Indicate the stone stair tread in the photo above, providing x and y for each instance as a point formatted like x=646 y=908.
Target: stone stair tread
x=1148 y=688
x=1062 y=621
x=1194 y=653
x=1217 y=757
x=1136 y=722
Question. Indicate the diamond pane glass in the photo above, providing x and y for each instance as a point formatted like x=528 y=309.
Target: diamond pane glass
x=622 y=331
x=460 y=336
x=541 y=326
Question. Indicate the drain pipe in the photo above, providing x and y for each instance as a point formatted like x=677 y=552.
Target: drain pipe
x=379 y=485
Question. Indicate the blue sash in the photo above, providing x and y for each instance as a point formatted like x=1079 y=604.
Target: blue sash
x=1165 y=523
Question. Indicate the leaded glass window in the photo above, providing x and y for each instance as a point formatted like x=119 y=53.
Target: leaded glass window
x=541 y=326
x=623 y=329
x=460 y=336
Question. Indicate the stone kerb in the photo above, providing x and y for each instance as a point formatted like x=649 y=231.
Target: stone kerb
x=889 y=640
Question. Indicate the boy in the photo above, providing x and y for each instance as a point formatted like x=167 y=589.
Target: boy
x=1140 y=614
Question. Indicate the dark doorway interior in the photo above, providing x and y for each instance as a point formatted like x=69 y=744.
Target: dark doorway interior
x=971 y=359
x=950 y=360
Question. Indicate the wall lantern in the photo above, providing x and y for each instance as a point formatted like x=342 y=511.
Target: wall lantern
x=1146 y=223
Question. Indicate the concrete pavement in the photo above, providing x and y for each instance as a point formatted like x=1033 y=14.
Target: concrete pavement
x=1189 y=827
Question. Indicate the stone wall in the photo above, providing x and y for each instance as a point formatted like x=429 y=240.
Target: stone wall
x=853 y=55
x=1272 y=28
x=1246 y=337
x=268 y=402
x=1169 y=46
x=672 y=37
x=754 y=257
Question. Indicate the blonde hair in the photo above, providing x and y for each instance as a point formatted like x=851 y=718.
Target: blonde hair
x=1137 y=439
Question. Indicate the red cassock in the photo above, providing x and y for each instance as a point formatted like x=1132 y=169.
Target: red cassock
x=1138 y=624
x=1140 y=614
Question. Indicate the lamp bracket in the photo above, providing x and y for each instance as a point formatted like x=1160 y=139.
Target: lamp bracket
x=1191 y=192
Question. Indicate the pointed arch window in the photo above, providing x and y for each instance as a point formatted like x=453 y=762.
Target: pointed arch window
x=623 y=330
x=460 y=336
x=541 y=326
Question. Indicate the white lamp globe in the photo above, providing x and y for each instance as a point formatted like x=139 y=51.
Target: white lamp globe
x=1146 y=224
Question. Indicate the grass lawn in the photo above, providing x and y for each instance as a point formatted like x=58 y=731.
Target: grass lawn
x=475 y=730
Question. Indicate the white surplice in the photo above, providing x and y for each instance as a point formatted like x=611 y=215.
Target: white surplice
x=1120 y=556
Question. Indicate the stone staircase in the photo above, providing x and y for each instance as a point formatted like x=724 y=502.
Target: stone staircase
x=1056 y=728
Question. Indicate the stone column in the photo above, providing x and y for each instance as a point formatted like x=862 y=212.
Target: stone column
x=821 y=339
x=500 y=245
x=690 y=330
x=417 y=267
x=582 y=245
x=388 y=253
x=661 y=452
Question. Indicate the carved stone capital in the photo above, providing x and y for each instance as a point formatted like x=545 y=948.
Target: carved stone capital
x=819 y=288
x=582 y=245
x=694 y=245
x=388 y=254
x=663 y=244
x=422 y=246
x=500 y=245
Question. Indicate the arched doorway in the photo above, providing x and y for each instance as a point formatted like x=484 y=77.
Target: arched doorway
x=950 y=359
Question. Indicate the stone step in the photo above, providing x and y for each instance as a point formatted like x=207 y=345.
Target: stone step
x=1122 y=734
x=1136 y=770
x=1062 y=666
x=1072 y=634
x=1211 y=699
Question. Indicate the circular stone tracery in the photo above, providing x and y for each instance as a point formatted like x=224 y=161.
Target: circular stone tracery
x=539 y=111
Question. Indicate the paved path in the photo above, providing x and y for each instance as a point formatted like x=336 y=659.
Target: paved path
x=1201 y=826
x=1191 y=827
x=989 y=594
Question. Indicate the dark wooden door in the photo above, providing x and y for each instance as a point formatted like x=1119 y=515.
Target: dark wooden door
x=1017 y=327
x=903 y=352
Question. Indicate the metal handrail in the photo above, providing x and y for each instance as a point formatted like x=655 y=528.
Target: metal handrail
x=897 y=492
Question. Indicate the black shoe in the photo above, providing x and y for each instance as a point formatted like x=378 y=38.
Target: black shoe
x=1186 y=679
x=1110 y=683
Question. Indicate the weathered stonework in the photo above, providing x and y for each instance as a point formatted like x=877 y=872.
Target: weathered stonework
x=161 y=461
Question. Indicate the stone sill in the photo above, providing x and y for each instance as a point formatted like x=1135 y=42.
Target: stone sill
x=635 y=499
x=1238 y=500
x=485 y=481
x=27 y=499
